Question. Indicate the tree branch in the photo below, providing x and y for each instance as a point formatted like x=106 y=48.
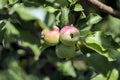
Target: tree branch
x=106 y=8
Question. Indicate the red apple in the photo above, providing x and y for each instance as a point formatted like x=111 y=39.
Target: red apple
x=51 y=37
x=69 y=35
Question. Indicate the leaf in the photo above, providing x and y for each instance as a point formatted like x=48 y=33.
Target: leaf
x=29 y=40
x=11 y=29
x=78 y=7
x=86 y=24
x=33 y=47
x=66 y=68
x=32 y=77
x=14 y=71
x=61 y=3
x=93 y=19
x=2 y=23
x=44 y=18
x=101 y=43
x=12 y=1
x=99 y=63
x=112 y=75
x=2 y=30
x=3 y=3
x=29 y=13
x=64 y=18
x=11 y=33
x=72 y=2
x=51 y=9
x=82 y=15
x=104 y=41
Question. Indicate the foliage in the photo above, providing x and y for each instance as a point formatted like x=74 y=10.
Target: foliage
x=25 y=56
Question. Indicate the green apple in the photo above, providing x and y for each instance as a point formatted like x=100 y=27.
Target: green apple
x=63 y=51
x=69 y=35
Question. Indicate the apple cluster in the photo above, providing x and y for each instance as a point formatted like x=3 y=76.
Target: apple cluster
x=64 y=40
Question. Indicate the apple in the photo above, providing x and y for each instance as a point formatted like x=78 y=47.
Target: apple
x=69 y=35
x=51 y=37
x=63 y=51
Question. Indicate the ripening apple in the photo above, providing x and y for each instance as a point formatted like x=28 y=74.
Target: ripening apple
x=63 y=51
x=69 y=35
x=51 y=37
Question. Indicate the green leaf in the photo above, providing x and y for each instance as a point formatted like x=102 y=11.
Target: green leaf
x=86 y=24
x=99 y=63
x=93 y=19
x=12 y=1
x=2 y=30
x=14 y=71
x=72 y=2
x=29 y=40
x=11 y=29
x=101 y=43
x=82 y=15
x=115 y=54
x=29 y=13
x=3 y=3
x=61 y=3
x=51 y=9
x=2 y=23
x=104 y=41
x=95 y=38
x=78 y=7
x=66 y=68
x=112 y=75
x=34 y=48
x=64 y=18
x=44 y=18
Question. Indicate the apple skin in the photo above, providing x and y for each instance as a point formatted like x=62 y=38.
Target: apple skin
x=69 y=35
x=51 y=37
x=63 y=51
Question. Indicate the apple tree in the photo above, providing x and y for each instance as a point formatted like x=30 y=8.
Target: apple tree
x=59 y=40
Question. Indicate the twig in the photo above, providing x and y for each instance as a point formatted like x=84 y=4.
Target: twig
x=106 y=8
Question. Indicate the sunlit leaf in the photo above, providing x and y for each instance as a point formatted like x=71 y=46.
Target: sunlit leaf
x=29 y=13
x=3 y=3
x=51 y=9
x=37 y=50
x=87 y=24
x=11 y=29
x=78 y=7
x=101 y=43
x=12 y=1
x=72 y=1
x=66 y=68
x=112 y=75
x=93 y=19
